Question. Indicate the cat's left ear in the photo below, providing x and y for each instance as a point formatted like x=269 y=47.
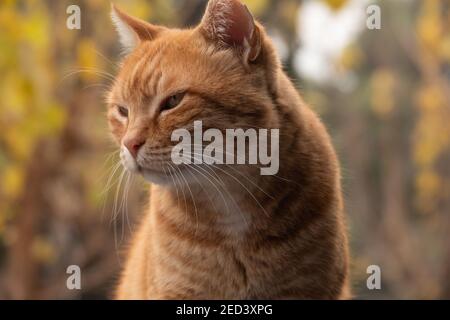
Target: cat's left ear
x=230 y=24
x=131 y=30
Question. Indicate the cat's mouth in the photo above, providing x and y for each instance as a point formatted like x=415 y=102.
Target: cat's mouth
x=157 y=169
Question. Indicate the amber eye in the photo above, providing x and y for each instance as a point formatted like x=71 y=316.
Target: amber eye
x=172 y=101
x=123 y=111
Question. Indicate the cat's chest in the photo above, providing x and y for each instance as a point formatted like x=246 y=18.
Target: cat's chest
x=219 y=272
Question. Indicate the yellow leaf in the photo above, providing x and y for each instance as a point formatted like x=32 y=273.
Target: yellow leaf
x=87 y=59
x=445 y=49
x=13 y=178
x=18 y=143
x=257 y=7
x=43 y=251
x=336 y=4
x=430 y=98
x=383 y=83
x=428 y=185
x=55 y=118
x=351 y=58
x=429 y=26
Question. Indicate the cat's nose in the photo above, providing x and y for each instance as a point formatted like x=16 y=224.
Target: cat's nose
x=134 y=144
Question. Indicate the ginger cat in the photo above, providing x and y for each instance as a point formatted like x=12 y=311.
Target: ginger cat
x=224 y=231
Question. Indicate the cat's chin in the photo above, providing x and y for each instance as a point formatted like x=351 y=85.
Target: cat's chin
x=155 y=177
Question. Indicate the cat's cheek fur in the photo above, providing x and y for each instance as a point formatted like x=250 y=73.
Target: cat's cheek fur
x=117 y=130
x=117 y=124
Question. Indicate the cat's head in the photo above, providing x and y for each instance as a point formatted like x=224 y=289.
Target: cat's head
x=223 y=72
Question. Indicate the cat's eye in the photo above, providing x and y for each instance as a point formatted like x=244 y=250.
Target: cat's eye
x=172 y=101
x=123 y=111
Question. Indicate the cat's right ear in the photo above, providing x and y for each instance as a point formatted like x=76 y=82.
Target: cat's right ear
x=131 y=30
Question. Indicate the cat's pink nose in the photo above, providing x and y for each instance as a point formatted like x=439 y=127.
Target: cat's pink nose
x=134 y=144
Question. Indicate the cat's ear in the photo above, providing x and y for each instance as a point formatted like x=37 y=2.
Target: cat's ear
x=132 y=30
x=231 y=25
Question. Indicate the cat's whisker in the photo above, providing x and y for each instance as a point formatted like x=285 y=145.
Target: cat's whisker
x=193 y=199
x=231 y=197
x=97 y=72
x=249 y=192
x=204 y=190
x=173 y=181
x=114 y=64
x=180 y=183
x=221 y=194
x=115 y=207
x=215 y=186
x=240 y=173
x=224 y=187
x=212 y=202
x=122 y=192
x=103 y=168
x=73 y=73
x=111 y=154
x=175 y=184
x=163 y=151
x=104 y=197
x=109 y=183
x=123 y=205
x=285 y=180
x=127 y=192
x=127 y=211
x=274 y=175
x=101 y=74
x=117 y=193
x=182 y=190
x=96 y=85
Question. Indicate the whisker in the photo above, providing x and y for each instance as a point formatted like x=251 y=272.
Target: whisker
x=123 y=208
x=192 y=197
x=241 y=174
x=127 y=211
x=204 y=190
x=114 y=64
x=182 y=190
x=96 y=85
x=249 y=192
x=174 y=183
x=115 y=209
x=108 y=185
x=223 y=198
x=101 y=74
x=218 y=190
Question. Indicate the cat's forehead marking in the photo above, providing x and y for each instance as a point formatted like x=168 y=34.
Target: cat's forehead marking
x=154 y=69
x=142 y=73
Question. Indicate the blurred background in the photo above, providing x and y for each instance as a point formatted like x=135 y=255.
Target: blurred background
x=384 y=95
